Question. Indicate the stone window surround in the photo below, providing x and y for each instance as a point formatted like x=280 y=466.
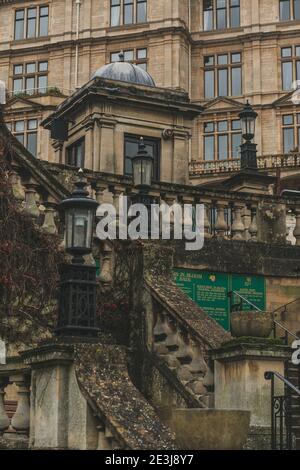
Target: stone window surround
x=23 y=133
x=294 y=125
x=292 y=10
x=38 y=17
x=215 y=133
x=294 y=59
x=24 y=75
x=228 y=9
x=120 y=5
x=141 y=61
x=215 y=67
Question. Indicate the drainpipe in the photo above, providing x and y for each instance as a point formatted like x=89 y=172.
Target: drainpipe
x=190 y=73
x=78 y=5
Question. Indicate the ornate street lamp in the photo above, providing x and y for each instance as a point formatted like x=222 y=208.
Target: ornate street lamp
x=77 y=299
x=142 y=165
x=248 y=149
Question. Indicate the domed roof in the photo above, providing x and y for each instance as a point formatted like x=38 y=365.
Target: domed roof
x=125 y=72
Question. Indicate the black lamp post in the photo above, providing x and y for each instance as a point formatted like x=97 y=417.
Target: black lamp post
x=248 y=148
x=77 y=298
x=142 y=165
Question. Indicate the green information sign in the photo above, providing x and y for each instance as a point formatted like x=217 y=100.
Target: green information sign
x=210 y=291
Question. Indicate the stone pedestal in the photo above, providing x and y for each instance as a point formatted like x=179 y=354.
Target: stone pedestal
x=240 y=383
x=60 y=417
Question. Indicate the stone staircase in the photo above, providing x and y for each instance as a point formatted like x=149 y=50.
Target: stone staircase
x=293 y=375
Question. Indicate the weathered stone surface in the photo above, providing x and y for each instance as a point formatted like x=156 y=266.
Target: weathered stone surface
x=103 y=378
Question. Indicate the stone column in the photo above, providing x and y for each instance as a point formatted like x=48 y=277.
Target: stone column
x=4 y=420
x=49 y=225
x=21 y=419
x=30 y=200
x=253 y=229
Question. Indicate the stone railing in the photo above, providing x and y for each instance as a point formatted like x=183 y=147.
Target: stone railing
x=229 y=215
x=14 y=387
x=267 y=162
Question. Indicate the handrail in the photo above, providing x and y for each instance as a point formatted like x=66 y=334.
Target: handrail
x=285 y=329
x=244 y=299
x=286 y=305
x=269 y=375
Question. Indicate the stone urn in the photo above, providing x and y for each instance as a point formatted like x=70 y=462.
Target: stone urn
x=254 y=323
x=200 y=429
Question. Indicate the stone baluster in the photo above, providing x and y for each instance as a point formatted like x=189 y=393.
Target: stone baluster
x=103 y=440
x=238 y=228
x=198 y=364
x=253 y=229
x=182 y=353
x=297 y=227
x=105 y=276
x=4 y=420
x=49 y=225
x=31 y=206
x=187 y=214
x=221 y=226
x=16 y=185
x=207 y=223
x=21 y=419
x=170 y=201
x=99 y=191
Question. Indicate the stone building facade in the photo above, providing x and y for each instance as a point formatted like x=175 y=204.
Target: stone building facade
x=221 y=52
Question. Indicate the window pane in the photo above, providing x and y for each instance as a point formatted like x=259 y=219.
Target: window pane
x=297 y=51
x=234 y=14
x=221 y=15
x=288 y=119
x=236 y=58
x=79 y=155
x=31 y=22
x=208 y=15
x=287 y=75
x=20 y=138
x=30 y=68
x=223 y=59
x=223 y=147
x=114 y=57
x=209 y=84
x=17 y=85
x=32 y=142
x=42 y=83
x=235 y=125
x=128 y=12
x=236 y=142
x=142 y=53
x=143 y=66
x=209 y=127
x=209 y=148
x=297 y=9
x=115 y=13
x=288 y=140
x=223 y=82
x=30 y=85
x=141 y=14
x=18 y=69
x=19 y=25
x=285 y=12
x=43 y=66
x=43 y=26
x=236 y=81
x=32 y=124
x=298 y=70
x=286 y=52
x=222 y=126
x=128 y=56
x=209 y=61
x=19 y=126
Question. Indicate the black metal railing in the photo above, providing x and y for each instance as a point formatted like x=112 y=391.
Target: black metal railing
x=282 y=412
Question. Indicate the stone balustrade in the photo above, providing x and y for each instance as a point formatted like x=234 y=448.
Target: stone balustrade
x=231 y=215
x=15 y=384
x=184 y=355
x=267 y=162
